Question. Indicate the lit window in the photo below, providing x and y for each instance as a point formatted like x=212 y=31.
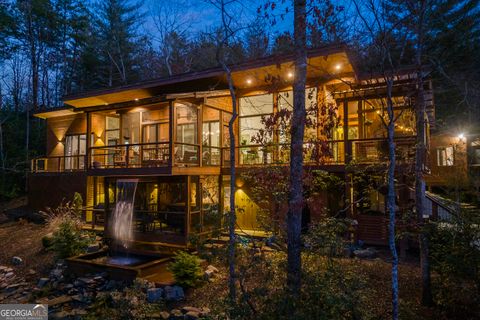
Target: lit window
x=445 y=156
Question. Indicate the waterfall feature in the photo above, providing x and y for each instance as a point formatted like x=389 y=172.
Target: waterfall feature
x=122 y=217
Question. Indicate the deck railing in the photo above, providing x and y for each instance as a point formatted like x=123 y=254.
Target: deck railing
x=146 y=155
x=139 y=155
x=59 y=164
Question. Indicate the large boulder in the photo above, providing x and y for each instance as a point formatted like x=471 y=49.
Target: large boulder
x=369 y=253
x=154 y=295
x=174 y=293
x=16 y=261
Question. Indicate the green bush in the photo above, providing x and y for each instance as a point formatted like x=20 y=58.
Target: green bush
x=69 y=240
x=455 y=259
x=77 y=204
x=47 y=241
x=186 y=270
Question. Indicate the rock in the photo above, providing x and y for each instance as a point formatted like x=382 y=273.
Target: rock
x=9 y=275
x=205 y=312
x=93 y=247
x=192 y=315
x=174 y=293
x=164 y=315
x=59 y=300
x=56 y=273
x=208 y=274
x=176 y=314
x=212 y=268
x=154 y=295
x=17 y=261
x=86 y=281
x=42 y=282
x=368 y=253
x=188 y=309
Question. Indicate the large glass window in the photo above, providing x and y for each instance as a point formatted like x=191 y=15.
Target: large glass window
x=75 y=150
x=112 y=130
x=211 y=137
x=186 y=148
x=131 y=128
x=155 y=125
x=445 y=156
x=251 y=111
x=285 y=102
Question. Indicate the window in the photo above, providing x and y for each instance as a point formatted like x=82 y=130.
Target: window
x=445 y=156
x=251 y=111
x=156 y=132
x=112 y=131
x=75 y=150
x=186 y=149
x=285 y=102
x=131 y=128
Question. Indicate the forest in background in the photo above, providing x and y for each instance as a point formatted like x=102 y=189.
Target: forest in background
x=51 y=48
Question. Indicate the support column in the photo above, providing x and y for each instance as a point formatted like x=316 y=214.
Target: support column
x=89 y=141
x=171 y=133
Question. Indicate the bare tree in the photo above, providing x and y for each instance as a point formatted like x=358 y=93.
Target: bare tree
x=170 y=19
x=379 y=33
x=295 y=198
x=230 y=29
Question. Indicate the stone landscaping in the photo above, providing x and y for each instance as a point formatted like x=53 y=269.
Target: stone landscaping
x=69 y=297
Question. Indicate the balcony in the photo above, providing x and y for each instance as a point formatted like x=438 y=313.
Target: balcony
x=156 y=155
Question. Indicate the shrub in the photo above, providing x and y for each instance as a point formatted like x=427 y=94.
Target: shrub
x=69 y=240
x=186 y=270
x=47 y=241
x=77 y=204
x=455 y=258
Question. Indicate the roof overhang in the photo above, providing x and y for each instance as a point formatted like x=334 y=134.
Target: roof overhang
x=323 y=63
x=56 y=112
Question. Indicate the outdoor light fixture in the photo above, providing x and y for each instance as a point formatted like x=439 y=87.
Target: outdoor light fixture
x=461 y=137
x=136 y=99
x=290 y=74
x=338 y=66
x=249 y=81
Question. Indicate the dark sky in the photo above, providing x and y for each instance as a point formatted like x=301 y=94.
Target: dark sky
x=203 y=15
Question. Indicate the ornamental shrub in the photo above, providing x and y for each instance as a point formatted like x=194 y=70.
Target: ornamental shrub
x=186 y=270
x=69 y=240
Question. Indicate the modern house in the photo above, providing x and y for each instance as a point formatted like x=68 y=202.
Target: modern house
x=172 y=135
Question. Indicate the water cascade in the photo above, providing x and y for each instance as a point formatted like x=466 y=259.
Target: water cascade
x=122 y=217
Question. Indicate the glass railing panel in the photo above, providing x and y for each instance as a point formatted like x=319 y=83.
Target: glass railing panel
x=211 y=156
x=186 y=153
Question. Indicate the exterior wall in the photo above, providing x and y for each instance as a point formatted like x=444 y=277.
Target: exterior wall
x=442 y=175
x=59 y=127
x=50 y=190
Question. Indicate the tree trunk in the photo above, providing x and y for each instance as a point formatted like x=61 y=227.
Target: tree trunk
x=232 y=216
x=295 y=198
x=420 y=191
x=420 y=153
x=391 y=198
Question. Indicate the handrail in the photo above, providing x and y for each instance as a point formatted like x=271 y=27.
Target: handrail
x=64 y=163
x=159 y=154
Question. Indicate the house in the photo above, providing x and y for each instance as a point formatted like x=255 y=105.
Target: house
x=454 y=164
x=171 y=136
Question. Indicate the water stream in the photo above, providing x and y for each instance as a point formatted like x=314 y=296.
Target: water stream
x=122 y=217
